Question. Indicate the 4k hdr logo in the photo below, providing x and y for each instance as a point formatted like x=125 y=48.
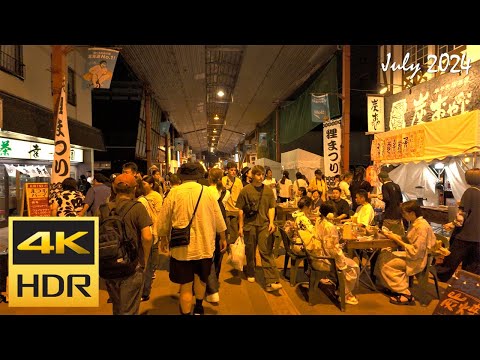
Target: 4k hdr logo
x=53 y=262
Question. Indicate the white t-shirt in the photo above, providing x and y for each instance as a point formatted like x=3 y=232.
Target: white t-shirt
x=285 y=188
x=272 y=182
x=298 y=183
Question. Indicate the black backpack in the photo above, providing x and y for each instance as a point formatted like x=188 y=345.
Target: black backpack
x=118 y=252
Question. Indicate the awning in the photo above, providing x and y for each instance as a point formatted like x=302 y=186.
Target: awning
x=439 y=139
x=20 y=116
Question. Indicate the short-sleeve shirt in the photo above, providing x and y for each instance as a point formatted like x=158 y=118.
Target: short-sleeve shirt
x=135 y=220
x=470 y=203
x=69 y=203
x=251 y=195
x=96 y=196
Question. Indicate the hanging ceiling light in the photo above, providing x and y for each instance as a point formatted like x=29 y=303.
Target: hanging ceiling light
x=220 y=93
x=216 y=117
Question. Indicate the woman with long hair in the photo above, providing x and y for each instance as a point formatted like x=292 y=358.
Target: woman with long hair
x=285 y=188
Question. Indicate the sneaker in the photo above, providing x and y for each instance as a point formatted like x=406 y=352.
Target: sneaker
x=251 y=279
x=109 y=301
x=154 y=276
x=352 y=300
x=213 y=298
x=145 y=298
x=273 y=286
x=198 y=310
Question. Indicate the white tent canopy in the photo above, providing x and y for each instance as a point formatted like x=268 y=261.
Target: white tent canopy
x=303 y=161
x=274 y=165
x=411 y=175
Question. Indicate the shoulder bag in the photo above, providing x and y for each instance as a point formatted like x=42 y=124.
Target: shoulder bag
x=181 y=236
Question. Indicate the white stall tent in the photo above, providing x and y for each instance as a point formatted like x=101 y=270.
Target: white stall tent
x=274 y=165
x=303 y=161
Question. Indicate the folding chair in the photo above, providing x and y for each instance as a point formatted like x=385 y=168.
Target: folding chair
x=316 y=274
x=295 y=259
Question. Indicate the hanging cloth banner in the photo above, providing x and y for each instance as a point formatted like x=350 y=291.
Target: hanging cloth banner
x=164 y=127
x=332 y=144
x=320 y=109
x=100 y=66
x=61 y=156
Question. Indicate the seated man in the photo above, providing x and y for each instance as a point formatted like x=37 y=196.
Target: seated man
x=365 y=213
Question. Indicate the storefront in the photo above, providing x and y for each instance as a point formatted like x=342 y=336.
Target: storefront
x=26 y=149
x=27 y=161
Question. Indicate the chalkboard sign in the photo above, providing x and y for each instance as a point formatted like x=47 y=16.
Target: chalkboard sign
x=462 y=296
x=36 y=197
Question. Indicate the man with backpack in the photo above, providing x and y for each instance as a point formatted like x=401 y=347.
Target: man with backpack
x=125 y=239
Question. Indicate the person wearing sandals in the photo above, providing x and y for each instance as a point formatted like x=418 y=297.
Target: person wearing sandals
x=394 y=267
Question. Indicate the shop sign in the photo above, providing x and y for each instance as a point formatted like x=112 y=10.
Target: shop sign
x=19 y=149
x=409 y=143
x=375 y=113
x=444 y=96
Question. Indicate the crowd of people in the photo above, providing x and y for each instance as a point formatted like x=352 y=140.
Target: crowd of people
x=221 y=205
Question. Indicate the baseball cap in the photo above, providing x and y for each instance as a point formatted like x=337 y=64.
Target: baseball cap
x=127 y=179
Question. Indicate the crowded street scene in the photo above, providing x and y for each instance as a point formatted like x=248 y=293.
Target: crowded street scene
x=239 y=180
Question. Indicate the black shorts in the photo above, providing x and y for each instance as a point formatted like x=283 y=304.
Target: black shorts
x=181 y=272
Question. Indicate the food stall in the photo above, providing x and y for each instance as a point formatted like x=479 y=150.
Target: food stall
x=416 y=149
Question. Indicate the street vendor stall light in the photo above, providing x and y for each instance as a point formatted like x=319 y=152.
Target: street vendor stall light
x=386 y=88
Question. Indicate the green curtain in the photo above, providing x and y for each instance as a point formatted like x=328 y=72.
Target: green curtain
x=296 y=118
x=269 y=128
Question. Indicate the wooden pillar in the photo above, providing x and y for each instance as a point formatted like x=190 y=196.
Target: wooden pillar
x=59 y=65
x=346 y=107
x=277 y=135
x=148 y=129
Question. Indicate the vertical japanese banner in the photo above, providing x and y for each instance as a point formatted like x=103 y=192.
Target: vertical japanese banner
x=375 y=113
x=100 y=66
x=61 y=156
x=320 y=109
x=332 y=144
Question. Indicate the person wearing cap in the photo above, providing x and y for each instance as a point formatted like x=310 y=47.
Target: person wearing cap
x=190 y=265
x=126 y=293
x=318 y=183
x=233 y=184
x=392 y=197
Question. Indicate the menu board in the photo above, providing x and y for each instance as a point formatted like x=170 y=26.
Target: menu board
x=36 y=196
x=462 y=296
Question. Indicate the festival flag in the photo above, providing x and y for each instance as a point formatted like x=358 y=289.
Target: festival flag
x=320 y=108
x=100 y=66
x=61 y=156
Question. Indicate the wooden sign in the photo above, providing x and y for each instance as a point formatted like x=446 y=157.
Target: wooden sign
x=462 y=296
x=36 y=197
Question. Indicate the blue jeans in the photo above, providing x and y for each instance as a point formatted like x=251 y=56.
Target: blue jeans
x=126 y=293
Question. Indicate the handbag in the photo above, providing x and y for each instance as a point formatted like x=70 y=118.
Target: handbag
x=181 y=236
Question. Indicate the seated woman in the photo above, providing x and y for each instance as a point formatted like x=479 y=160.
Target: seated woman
x=322 y=240
x=393 y=268
x=317 y=201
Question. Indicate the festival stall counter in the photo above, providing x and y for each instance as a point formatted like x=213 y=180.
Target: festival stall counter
x=416 y=147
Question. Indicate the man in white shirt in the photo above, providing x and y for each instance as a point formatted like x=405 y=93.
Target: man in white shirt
x=364 y=212
x=190 y=264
